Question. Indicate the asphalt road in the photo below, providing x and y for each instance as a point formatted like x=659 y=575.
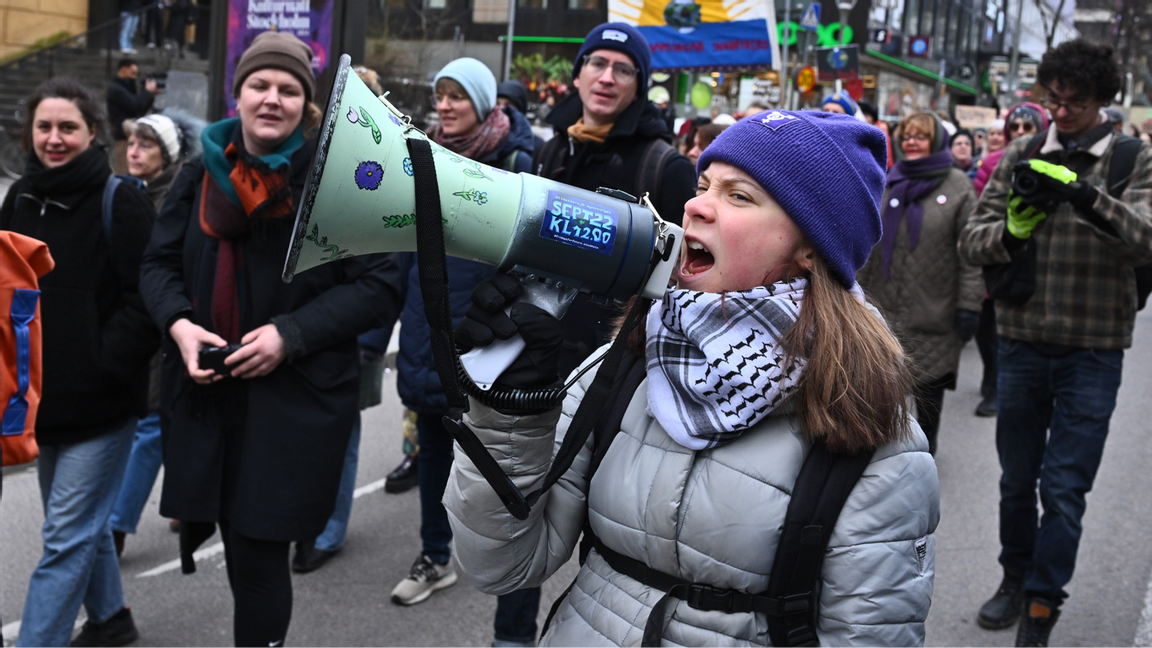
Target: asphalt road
x=346 y=602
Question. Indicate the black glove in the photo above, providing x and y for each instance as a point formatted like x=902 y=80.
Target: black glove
x=485 y=320
x=966 y=324
x=538 y=364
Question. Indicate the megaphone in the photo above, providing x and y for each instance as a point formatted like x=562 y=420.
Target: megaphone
x=360 y=198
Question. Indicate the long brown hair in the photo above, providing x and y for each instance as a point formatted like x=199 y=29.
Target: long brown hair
x=855 y=385
x=854 y=388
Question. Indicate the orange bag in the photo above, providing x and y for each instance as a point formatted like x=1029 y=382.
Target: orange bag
x=23 y=260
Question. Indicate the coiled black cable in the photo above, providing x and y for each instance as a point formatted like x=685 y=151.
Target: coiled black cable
x=520 y=400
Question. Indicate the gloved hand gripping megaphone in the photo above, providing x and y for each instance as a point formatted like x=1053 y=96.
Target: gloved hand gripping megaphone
x=360 y=198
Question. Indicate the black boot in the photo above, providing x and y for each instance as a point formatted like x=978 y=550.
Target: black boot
x=1037 y=622
x=1003 y=608
x=403 y=478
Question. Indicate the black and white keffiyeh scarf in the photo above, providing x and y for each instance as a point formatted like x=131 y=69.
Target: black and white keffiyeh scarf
x=715 y=363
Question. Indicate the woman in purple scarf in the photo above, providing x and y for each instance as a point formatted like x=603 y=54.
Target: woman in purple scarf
x=930 y=297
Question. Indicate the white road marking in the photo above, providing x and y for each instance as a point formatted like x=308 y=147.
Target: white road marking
x=1144 y=629
x=12 y=630
x=218 y=548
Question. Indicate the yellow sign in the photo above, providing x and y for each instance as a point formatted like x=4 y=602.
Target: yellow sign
x=806 y=80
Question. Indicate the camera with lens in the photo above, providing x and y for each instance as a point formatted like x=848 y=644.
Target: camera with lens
x=161 y=79
x=1028 y=184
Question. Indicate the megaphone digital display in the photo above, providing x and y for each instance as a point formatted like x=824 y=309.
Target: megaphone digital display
x=360 y=198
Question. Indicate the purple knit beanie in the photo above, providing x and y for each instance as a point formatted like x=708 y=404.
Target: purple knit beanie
x=827 y=172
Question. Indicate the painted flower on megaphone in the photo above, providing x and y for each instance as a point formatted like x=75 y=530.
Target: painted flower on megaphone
x=369 y=174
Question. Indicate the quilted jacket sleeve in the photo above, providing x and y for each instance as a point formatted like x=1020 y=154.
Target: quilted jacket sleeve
x=498 y=552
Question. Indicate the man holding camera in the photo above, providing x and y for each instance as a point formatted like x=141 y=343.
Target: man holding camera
x=125 y=101
x=1075 y=234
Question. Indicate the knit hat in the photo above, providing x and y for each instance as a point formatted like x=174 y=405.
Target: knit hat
x=842 y=99
x=1114 y=115
x=621 y=37
x=1027 y=111
x=997 y=124
x=476 y=79
x=162 y=129
x=515 y=92
x=963 y=132
x=784 y=151
x=279 y=50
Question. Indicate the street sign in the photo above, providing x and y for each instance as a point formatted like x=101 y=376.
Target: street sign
x=838 y=63
x=806 y=79
x=919 y=46
x=880 y=36
x=811 y=18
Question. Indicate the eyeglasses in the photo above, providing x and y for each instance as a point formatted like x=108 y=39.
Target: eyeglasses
x=914 y=137
x=1053 y=103
x=1022 y=126
x=452 y=97
x=621 y=72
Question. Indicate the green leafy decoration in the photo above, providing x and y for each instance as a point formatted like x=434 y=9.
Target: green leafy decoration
x=334 y=251
x=478 y=197
x=367 y=120
x=399 y=220
x=473 y=172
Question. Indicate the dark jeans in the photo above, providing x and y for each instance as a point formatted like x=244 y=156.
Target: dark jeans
x=515 y=612
x=1051 y=428
x=988 y=343
x=929 y=402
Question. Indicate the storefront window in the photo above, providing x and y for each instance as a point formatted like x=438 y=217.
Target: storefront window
x=912 y=17
x=583 y=4
x=532 y=4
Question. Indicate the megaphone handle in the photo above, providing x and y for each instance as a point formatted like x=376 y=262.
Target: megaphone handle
x=485 y=364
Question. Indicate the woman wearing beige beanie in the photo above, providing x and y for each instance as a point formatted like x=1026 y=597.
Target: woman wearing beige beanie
x=256 y=445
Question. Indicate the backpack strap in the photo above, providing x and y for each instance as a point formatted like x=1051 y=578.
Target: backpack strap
x=1122 y=164
x=106 y=205
x=110 y=186
x=822 y=487
x=791 y=602
x=1120 y=169
x=655 y=157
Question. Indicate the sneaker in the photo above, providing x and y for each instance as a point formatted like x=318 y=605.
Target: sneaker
x=120 y=630
x=404 y=478
x=1036 y=625
x=1003 y=608
x=424 y=578
x=987 y=407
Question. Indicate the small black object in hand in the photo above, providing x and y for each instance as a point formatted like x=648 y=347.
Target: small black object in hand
x=213 y=358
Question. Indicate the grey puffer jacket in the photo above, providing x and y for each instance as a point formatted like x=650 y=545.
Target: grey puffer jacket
x=711 y=517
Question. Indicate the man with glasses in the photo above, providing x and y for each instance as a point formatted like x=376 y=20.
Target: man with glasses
x=611 y=135
x=1062 y=348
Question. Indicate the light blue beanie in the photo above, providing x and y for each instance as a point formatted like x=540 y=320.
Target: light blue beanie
x=476 y=79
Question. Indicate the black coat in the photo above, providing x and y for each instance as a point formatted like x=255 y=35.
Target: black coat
x=615 y=163
x=126 y=102
x=264 y=454
x=97 y=335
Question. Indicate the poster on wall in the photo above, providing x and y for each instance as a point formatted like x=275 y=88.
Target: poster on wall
x=704 y=34
x=308 y=20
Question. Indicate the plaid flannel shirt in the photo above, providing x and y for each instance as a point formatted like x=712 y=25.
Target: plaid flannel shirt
x=1085 y=287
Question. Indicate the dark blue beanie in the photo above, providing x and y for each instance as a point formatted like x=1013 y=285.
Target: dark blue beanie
x=621 y=37
x=827 y=172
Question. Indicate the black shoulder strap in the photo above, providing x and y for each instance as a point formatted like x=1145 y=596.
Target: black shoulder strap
x=628 y=378
x=652 y=163
x=547 y=156
x=106 y=205
x=822 y=487
x=1123 y=163
x=1035 y=144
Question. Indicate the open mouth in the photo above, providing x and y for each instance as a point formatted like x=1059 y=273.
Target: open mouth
x=697 y=259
